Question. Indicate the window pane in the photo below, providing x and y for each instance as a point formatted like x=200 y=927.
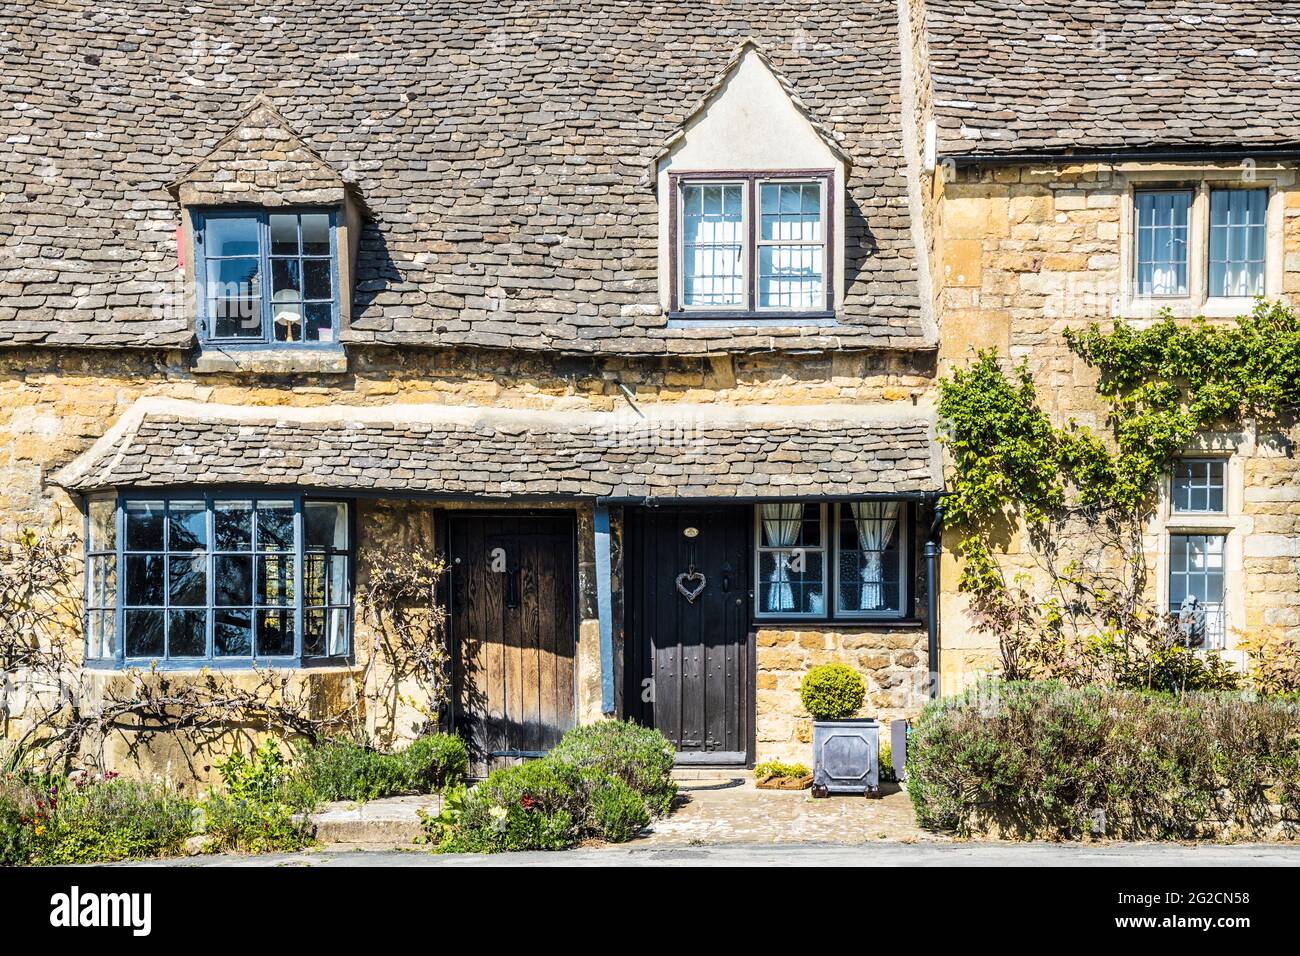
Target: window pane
x=232 y=632
x=791 y=212
x=313 y=632
x=101 y=590
x=713 y=245
x=103 y=524
x=791 y=582
x=188 y=579
x=231 y=237
x=337 y=632
x=233 y=521
x=790 y=277
x=1196 y=570
x=101 y=633
x=188 y=526
x=1162 y=242
x=275 y=579
x=144 y=525
x=869 y=561
x=325 y=524
x=284 y=235
x=320 y=322
x=1237 y=230
x=144 y=579
x=236 y=318
x=144 y=633
x=286 y=277
x=274 y=633
x=791 y=524
x=275 y=526
x=234 y=579
x=316 y=234
x=316 y=279
x=187 y=633
x=1198 y=485
x=234 y=279
x=286 y=317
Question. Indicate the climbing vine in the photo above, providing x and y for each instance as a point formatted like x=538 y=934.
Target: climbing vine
x=1082 y=497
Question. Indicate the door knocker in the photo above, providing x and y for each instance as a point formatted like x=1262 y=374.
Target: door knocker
x=693 y=577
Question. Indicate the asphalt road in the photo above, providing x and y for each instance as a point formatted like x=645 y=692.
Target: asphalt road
x=874 y=854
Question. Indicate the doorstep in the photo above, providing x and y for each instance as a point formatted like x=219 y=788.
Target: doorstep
x=392 y=821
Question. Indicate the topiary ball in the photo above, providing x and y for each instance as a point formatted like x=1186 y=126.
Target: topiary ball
x=832 y=692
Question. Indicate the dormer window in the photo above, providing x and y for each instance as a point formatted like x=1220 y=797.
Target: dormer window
x=752 y=244
x=267 y=277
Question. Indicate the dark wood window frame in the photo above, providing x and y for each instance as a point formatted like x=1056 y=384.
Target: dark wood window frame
x=751 y=179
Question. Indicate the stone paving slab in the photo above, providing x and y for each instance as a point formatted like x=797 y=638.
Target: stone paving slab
x=724 y=809
x=393 y=821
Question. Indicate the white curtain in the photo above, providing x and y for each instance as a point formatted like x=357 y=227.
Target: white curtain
x=875 y=522
x=781 y=530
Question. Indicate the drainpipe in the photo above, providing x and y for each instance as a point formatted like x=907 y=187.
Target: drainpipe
x=932 y=552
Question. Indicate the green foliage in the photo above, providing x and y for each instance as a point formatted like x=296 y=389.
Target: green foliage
x=639 y=756
x=112 y=820
x=1083 y=497
x=1042 y=760
x=343 y=769
x=264 y=809
x=887 y=772
x=832 y=692
x=601 y=782
x=775 y=768
x=88 y=819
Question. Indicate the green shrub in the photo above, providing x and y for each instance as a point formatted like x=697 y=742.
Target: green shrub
x=639 y=756
x=435 y=762
x=1044 y=760
x=775 y=768
x=95 y=821
x=604 y=781
x=832 y=692
x=347 y=770
x=18 y=819
x=264 y=809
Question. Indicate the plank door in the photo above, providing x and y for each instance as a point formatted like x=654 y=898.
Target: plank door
x=513 y=631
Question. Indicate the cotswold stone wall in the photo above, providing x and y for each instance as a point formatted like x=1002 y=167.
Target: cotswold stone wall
x=1026 y=253
x=892 y=661
x=55 y=403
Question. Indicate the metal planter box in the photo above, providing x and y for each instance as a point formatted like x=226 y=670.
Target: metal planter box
x=846 y=757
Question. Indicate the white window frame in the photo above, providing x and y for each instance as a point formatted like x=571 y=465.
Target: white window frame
x=1200 y=181
x=746 y=230
x=760 y=242
x=1176 y=512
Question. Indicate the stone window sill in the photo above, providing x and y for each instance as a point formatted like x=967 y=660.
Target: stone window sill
x=272 y=361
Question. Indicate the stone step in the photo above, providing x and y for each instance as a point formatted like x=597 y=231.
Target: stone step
x=393 y=821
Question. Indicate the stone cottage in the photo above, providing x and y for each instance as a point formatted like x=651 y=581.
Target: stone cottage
x=634 y=316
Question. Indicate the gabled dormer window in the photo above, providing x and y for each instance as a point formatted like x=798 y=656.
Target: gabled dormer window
x=752 y=244
x=267 y=277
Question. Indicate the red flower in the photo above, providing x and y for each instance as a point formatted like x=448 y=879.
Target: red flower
x=527 y=801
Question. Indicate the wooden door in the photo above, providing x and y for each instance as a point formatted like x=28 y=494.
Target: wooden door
x=689 y=655
x=513 y=631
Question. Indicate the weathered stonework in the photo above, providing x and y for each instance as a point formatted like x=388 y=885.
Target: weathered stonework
x=1029 y=251
x=892 y=662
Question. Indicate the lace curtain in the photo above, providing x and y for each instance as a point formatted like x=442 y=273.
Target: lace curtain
x=875 y=522
x=781 y=530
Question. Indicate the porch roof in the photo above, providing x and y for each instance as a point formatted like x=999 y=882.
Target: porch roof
x=672 y=451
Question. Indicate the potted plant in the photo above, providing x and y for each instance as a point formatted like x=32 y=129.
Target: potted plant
x=846 y=750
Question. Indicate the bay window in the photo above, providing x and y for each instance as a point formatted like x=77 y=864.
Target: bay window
x=751 y=244
x=832 y=561
x=203 y=580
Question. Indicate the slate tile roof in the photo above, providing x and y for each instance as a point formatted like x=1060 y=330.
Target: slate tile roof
x=499 y=146
x=1030 y=75
x=685 y=451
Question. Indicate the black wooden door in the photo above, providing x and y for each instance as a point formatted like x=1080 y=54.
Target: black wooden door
x=512 y=625
x=689 y=656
